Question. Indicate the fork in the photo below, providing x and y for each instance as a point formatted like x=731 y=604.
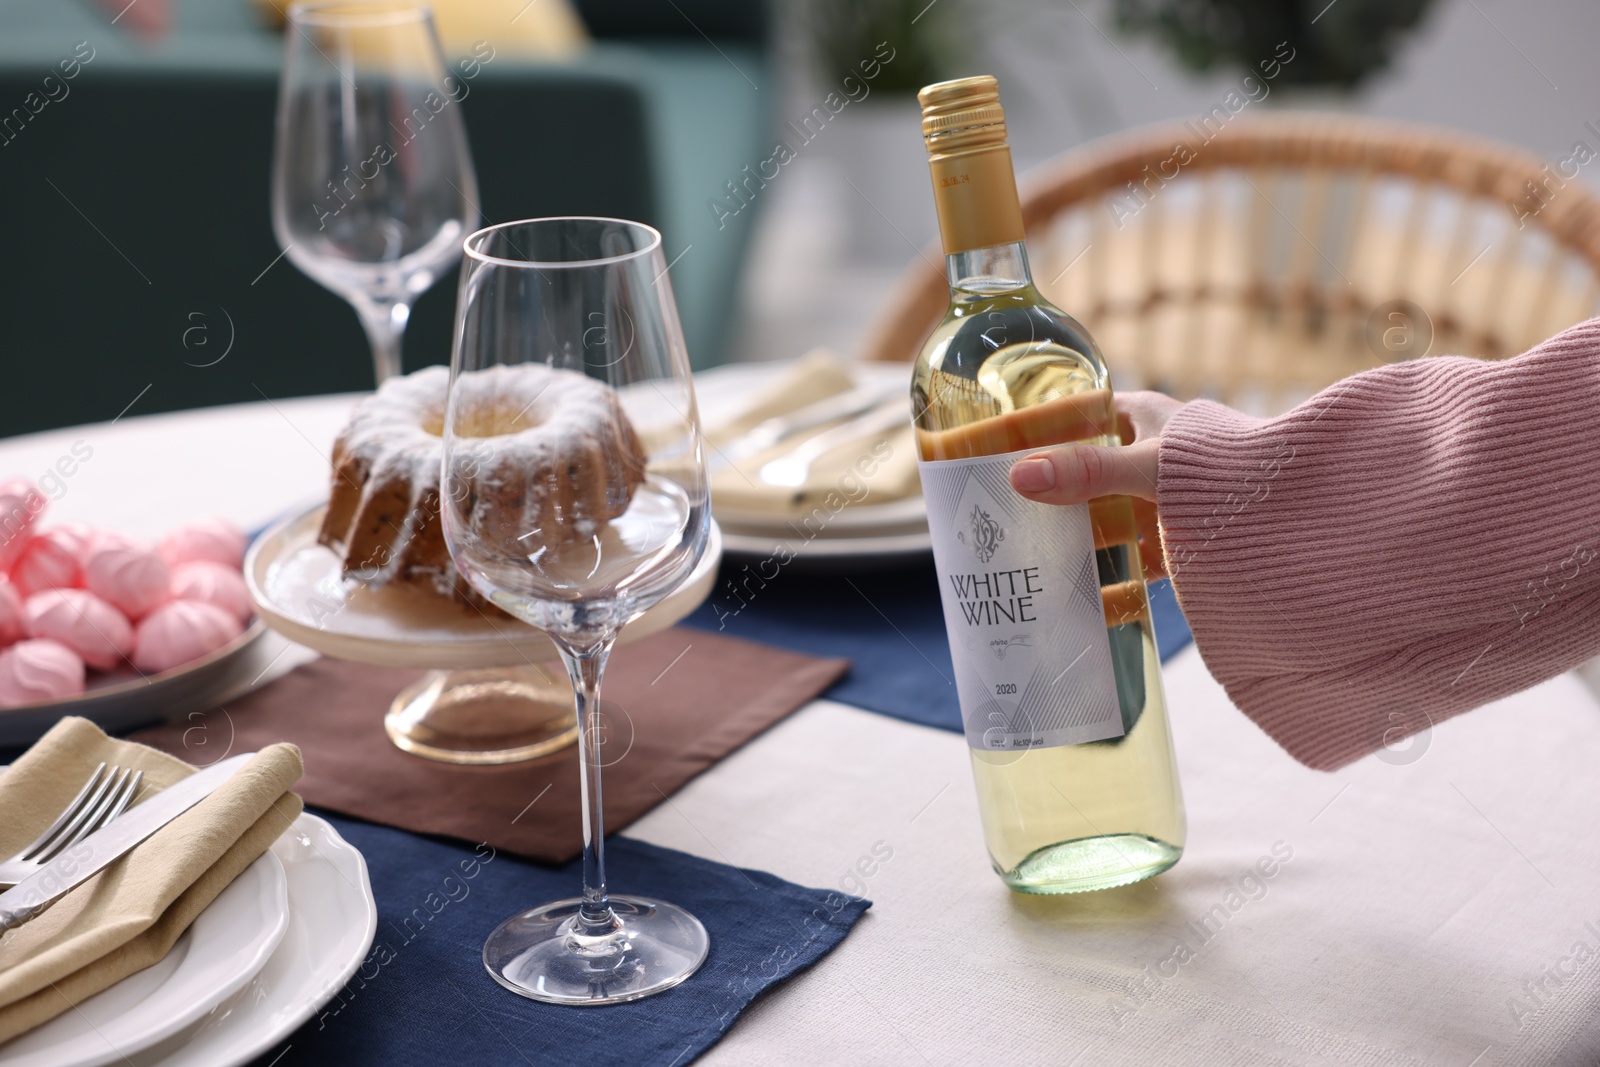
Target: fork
x=102 y=798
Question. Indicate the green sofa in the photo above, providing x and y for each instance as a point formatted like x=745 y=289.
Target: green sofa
x=134 y=208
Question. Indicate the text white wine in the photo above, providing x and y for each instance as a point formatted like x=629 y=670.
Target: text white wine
x=1046 y=608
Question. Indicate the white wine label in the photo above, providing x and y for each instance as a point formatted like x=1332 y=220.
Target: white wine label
x=1021 y=596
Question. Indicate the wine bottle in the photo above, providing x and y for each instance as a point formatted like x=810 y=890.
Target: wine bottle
x=1045 y=606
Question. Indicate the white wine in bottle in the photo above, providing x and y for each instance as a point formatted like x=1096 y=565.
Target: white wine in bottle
x=1049 y=621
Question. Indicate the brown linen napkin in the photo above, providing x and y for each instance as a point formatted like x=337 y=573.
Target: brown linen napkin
x=126 y=917
x=688 y=697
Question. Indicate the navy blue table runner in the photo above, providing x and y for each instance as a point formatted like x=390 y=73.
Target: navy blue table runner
x=423 y=999
x=886 y=620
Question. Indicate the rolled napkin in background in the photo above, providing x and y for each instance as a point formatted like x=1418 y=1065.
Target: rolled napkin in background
x=876 y=468
x=815 y=376
x=127 y=916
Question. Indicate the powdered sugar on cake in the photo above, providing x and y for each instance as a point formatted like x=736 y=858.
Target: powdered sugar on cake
x=542 y=456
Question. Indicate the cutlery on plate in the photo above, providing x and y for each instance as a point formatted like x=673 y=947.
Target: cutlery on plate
x=83 y=859
x=772 y=432
x=101 y=799
x=791 y=469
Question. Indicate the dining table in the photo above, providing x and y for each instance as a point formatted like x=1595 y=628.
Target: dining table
x=1424 y=905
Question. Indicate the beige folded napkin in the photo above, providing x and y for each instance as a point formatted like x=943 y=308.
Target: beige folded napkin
x=875 y=469
x=815 y=376
x=127 y=916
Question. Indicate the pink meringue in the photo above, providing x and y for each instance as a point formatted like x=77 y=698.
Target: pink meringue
x=180 y=631
x=21 y=504
x=83 y=622
x=34 y=671
x=50 y=560
x=77 y=536
x=213 y=583
x=10 y=613
x=131 y=577
x=216 y=540
x=95 y=538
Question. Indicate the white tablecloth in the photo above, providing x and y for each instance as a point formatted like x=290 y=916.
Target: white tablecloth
x=1437 y=908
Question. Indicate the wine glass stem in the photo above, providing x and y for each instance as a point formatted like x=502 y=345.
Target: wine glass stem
x=595 y=917
x=385 y=323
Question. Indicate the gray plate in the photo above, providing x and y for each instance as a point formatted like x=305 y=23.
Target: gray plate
x=124 y=699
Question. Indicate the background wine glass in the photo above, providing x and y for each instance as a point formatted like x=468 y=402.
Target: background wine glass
x=372 y=182
x=585 y=296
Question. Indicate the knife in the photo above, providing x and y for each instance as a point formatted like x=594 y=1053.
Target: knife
x=41 y=889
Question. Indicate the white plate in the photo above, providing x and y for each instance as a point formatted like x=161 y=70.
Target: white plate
x=124 y=699
x=909 y=515
x=297 y=588
x=226 y=946
x=332 y=919
x=833 y=554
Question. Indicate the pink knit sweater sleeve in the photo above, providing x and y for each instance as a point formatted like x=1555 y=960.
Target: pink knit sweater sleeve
x=1410 y=543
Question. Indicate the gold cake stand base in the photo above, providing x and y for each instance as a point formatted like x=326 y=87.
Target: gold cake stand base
x=495 y=715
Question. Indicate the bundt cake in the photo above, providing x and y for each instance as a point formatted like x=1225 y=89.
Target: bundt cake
x=552 y=455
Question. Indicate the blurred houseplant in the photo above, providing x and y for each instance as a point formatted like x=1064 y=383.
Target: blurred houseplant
x=1337 y=45
x=926 y=39
x=876 y=142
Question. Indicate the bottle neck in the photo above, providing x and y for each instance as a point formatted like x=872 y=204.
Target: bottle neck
x=986 y=271
x=975 y=194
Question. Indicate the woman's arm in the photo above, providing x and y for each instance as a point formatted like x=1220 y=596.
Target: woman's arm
x=1410 y=543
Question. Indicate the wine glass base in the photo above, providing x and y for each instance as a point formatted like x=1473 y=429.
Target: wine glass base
x=501 y=715
x=533 y=954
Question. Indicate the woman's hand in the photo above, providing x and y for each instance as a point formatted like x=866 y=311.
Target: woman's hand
x=1076 y=474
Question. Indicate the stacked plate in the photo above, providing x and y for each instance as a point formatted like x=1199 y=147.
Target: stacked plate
x=274 y=947
x=806 y=475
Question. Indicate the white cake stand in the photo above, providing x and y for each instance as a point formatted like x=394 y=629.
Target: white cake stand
x=496 y=692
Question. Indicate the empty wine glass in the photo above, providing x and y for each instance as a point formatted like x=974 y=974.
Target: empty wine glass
x=372 y=181
x=575 y=497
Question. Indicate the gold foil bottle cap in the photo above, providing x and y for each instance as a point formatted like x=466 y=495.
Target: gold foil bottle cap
x=964 y=113
x=974 y=189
